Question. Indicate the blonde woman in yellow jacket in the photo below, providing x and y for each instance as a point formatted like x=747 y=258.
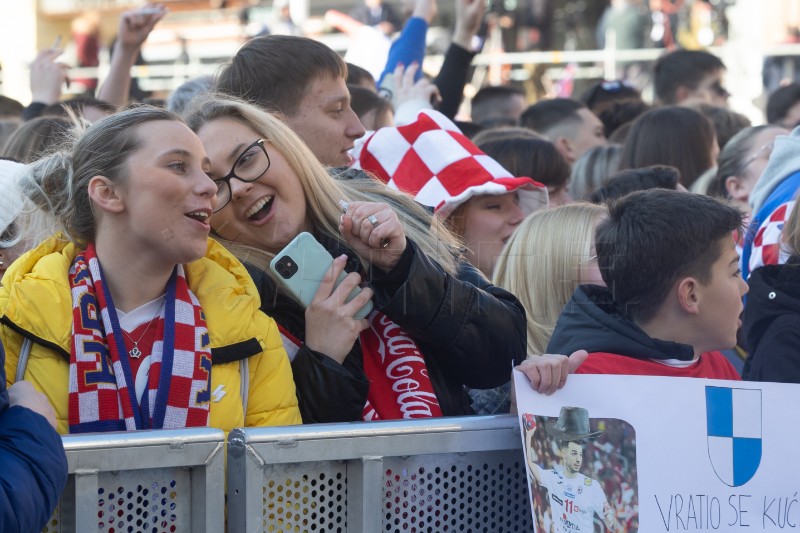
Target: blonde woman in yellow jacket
x=133 y=318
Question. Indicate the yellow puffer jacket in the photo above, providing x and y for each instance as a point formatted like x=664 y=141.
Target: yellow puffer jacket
x=36 y=303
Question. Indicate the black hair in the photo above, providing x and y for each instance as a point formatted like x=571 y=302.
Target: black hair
x=363 y=100
x=678 y=136
x=545 y=115
x=10 y=108
x=528 y=156
x=621 y=112
x=638 y=179
x=651 y=239
x=357 y=75
x=780 y=102
x=682 y=68
x=491 y=106
x=77 y=105
x=605 y=93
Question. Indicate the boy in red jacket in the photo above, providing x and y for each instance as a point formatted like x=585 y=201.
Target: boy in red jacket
x=674 y=290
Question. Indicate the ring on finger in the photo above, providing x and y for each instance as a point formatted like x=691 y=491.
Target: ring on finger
x=373 y=220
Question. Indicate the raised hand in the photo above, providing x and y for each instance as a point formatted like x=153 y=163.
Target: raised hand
x=48 y=76
x=374 y=232
x=407 y=90
x=135 y=25
x=469 y=15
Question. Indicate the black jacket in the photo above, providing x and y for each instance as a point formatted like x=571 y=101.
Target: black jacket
x=469 y=331
x=591 y=321
x=772 y=324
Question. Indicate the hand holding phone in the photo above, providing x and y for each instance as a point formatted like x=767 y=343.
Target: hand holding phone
x=335 y=304
x=301 y=267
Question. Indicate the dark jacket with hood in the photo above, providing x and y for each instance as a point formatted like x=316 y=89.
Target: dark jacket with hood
x=591 y=321
x=772 y=324
x=469 y=332
x=33 y=465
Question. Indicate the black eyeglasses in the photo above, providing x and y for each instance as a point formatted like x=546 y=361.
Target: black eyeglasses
x=251 y=164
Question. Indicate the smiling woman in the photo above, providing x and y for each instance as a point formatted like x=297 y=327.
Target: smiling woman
x=146 y=315
x=436 y=316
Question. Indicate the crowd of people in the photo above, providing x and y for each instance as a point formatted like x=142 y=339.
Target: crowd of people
x=600 y=235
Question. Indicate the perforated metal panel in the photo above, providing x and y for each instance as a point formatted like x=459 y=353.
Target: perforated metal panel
x=470 y=492
x=434 y=475
x=162 y=481
x=152 y=501
x=309 y=497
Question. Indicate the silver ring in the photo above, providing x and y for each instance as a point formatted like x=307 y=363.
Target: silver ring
x=374 y=220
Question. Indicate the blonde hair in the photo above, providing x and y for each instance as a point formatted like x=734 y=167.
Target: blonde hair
x=541 y=262
x=323 y=192
x=791 y=231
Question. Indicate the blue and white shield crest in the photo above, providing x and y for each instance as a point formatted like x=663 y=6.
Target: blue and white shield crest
x=734 y=433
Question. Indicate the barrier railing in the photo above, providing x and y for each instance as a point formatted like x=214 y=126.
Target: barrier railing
x=161 y=481
x=447 y=474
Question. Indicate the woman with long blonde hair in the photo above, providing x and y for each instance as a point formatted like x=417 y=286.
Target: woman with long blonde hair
x=437 y=322
x=550 y=254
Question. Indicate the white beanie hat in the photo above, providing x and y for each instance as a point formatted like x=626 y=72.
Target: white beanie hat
x=10 y=196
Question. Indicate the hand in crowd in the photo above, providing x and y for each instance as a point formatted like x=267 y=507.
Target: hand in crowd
x=548 y=372
x=425 y=9
x=134 y=28
x=330 y=326
x=23 y=394
x=374 y=232
x=135 y=25
x=48 y=76
x=469 y=15
x=406 y=89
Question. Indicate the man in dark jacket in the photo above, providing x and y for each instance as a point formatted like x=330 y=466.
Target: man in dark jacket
x=674 y=290
x=33 y=465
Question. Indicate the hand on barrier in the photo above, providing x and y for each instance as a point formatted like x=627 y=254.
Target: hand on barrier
x=548 y=372
x=23 y=394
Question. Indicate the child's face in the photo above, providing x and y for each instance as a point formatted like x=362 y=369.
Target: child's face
x=721 y=300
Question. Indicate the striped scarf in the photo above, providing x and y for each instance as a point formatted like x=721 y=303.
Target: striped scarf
x=102 y=395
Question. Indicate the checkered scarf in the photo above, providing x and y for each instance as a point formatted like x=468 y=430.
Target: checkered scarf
x=102 y=395
x=763 y=243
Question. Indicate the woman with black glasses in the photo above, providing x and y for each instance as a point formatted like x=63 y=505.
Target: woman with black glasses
x=438 y=324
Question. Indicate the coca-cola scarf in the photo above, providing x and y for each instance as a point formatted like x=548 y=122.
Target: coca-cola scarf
x=399 y=384
x=102 y=395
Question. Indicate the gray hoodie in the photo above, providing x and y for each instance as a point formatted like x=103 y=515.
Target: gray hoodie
x=784 y=161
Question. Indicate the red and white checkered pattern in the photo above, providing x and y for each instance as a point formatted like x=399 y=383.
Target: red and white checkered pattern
x=767 y=249
x=99 y=398
x=432 y=160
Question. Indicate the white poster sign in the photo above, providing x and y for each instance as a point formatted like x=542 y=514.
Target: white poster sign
x=656 y=454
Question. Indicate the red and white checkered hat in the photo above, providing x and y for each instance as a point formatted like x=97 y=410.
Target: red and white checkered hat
x=432 y=160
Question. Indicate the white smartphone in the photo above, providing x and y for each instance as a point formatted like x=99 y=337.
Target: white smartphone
x=301 y=266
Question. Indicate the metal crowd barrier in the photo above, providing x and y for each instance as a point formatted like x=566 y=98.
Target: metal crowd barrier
x=153 y=481
x=446 y=474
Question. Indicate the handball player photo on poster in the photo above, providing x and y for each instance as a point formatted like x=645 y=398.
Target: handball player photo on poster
x=581 y=473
